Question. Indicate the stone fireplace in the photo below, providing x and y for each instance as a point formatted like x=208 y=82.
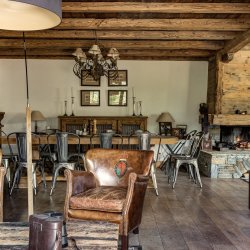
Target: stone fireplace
x=230 y=135
x=238 y=136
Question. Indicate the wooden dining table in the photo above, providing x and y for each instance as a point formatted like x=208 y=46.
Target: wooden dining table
x=86 y=140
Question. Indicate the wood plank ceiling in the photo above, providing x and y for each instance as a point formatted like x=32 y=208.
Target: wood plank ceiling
x=140 y=30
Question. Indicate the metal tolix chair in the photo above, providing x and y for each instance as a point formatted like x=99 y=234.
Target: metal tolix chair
x=63 y=156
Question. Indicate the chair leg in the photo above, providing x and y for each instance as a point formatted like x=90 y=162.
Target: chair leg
x=197 y=172
x=7 y=167
x=191 y=172
x=176 y=170
x=55 y=174
x=15 y=179
x=152 y=170
x=42 y=165
x=34 y=178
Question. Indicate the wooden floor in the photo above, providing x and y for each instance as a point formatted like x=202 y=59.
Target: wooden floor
x=214 y=217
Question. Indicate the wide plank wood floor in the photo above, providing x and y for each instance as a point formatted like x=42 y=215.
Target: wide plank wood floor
x=214 y=217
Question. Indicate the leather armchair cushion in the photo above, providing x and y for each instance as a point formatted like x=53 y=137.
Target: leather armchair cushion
x=104 y=198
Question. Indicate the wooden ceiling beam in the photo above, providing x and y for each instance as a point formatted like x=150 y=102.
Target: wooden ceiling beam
x=237 y=43
x=125 y=58
x=145 y=7
x=123 y=53
x=139 y=44
x=155 y=24
x=125 y=34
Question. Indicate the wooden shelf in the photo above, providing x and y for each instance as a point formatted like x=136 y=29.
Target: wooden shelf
x=230 y=119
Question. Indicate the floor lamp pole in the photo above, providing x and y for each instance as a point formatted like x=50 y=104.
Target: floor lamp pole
x=28 y=139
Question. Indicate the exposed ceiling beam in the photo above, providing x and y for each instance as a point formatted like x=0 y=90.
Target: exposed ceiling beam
x=125 y=58
x=125 y=34
x=155 y=24
x=237 y=43
x=130 y=44
x=133 y=7
x=123 y=52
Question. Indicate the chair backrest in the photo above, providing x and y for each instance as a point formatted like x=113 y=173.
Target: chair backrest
x=62 y=145
x=111 y=167
x=144 y=139
x=188 y=143
x=106 y=140
x=21 y=143
x=196 y=145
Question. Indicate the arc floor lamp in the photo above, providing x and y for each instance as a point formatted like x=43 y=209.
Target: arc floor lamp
x=29 y=15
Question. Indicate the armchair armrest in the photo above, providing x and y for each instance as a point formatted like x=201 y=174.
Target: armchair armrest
x=132 y=212
x=77 y=182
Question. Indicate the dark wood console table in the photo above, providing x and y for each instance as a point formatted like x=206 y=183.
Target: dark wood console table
x=121 y=124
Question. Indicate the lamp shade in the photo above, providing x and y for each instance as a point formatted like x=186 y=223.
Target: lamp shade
x=28 y=15
x=37 y=116
x=165 y=117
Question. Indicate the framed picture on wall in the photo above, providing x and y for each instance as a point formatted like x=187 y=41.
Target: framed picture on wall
x=89 y=80
x=90 y=97
x=120 y=80
x=117 y=97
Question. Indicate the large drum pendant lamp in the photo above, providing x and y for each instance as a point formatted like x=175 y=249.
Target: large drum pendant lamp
x=28 y=15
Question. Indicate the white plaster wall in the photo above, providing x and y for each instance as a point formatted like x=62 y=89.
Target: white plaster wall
x=176 y=87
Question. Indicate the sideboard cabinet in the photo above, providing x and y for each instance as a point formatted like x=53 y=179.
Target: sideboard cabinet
x=120 y=124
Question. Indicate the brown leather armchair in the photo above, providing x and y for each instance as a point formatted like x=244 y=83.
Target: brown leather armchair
x=2 y=173
x=112 y=189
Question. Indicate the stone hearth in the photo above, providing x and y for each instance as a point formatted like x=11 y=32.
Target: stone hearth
x=224 y=164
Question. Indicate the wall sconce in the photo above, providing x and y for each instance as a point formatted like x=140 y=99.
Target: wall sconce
x=165 y=123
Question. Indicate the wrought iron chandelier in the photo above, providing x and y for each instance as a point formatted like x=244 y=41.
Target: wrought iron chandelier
x=94 y=64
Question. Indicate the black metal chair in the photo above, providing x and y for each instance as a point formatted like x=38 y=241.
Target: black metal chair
x=190 y=158
x=21 y=143
x=63 y=156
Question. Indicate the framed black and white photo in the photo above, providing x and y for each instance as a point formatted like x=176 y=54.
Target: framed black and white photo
x=120 y=80
x=117 y=97
x=90 y=97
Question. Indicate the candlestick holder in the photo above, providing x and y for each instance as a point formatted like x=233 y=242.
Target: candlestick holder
x=72 y=106
x=65 y=108
x=140 y=108
x=133 y=106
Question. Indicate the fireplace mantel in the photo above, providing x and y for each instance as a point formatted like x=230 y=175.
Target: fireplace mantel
x=230 y=119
